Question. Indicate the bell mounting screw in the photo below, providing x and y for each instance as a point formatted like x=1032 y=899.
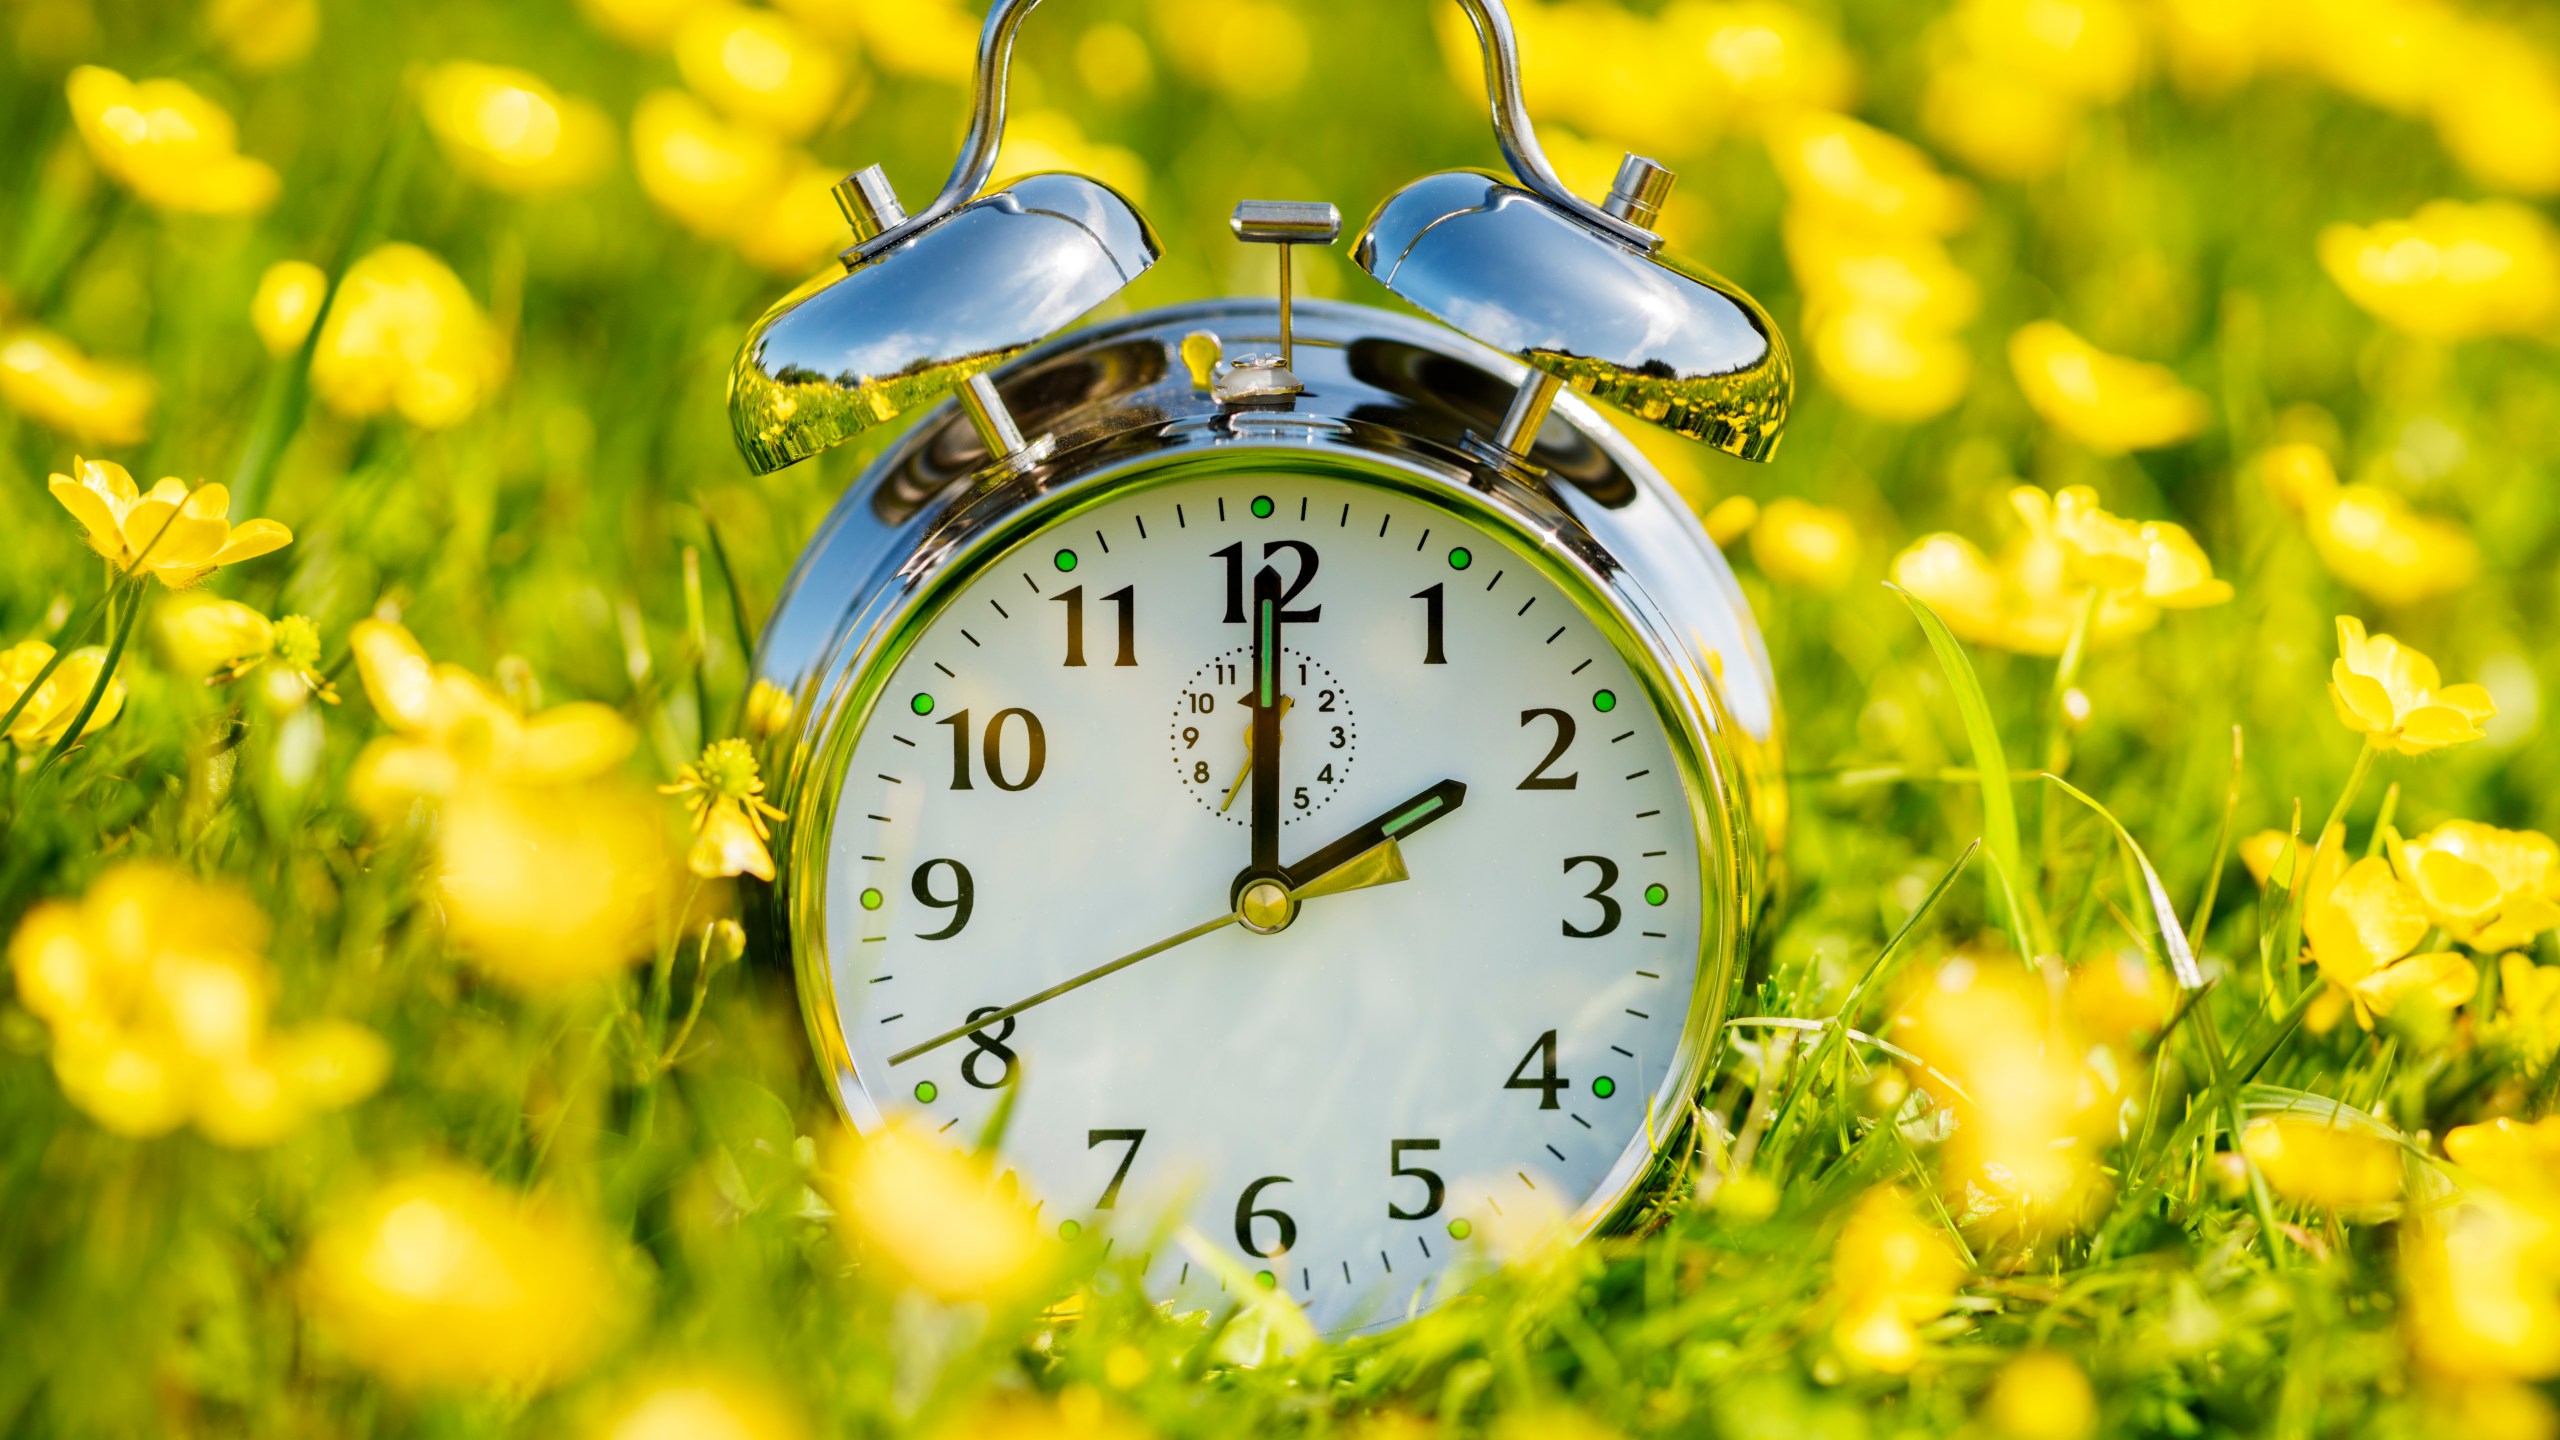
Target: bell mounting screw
x=1287 y=224
x=1637 y=197
x=870 y=206
x=869 y=202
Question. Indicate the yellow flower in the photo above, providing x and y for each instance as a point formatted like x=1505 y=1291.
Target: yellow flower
x=2025 y=1109
x=405 y=335
x=2453 y=270
x=2361 y=927
x=2089 y=50
x=2042 y=1395
x=2520 y=1159
x=47 y=715
x=177 y=534
x=443 y=1279
x=1077 y=1414
x=1758 y=59
x=2314 y=1162
x=937 y=1217
x=510 y=131
x=288 y=301
x=1891 y=1272
x=699 y=1405
x=759 y=67
x=706 y=173
x=1730 y=518
x=769 y=709
x=2394 y=697
x=724 y=793
x=2368 y=536
x=1864 y=176
x=2157 y=560
x=214 y=638
x=1891 y=366
x=2489 y=888
x=1904 y=274
x=647 y=24
x=101 y=402
x=2004 y=123
x=2105 y=402
x=2481 y=1289
x=928 y=39
x=2529 y=1007
x=167 y=144
x=449 y=727
x=2498 y=110
x=1114 y=62
x=156 y=990
x=1051 y=140
x=262 y=35
x=2263 y=851
x=547 y=888
x=798 y=227
x=2116 y=998
x=1803 y=544
x=2027 y=604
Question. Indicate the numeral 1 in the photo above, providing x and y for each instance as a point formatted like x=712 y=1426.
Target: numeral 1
x=1126 y=598
x=1433 y=605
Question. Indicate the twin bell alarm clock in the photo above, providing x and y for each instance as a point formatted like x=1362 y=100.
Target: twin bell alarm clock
x=1300 y=757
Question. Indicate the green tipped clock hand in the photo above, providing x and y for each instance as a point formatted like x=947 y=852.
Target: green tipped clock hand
x=1367 y=857
x=1265 y=743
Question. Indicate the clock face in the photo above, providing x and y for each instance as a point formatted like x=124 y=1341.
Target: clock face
x=1058 y=773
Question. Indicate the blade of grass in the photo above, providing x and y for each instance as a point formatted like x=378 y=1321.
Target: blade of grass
x=1999 y=806
x=2221 y=850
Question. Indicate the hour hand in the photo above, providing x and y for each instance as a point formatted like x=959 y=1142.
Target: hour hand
x=1264 y=778
x=1397 y=822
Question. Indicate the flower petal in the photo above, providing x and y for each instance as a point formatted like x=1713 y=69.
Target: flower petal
x=250 y=539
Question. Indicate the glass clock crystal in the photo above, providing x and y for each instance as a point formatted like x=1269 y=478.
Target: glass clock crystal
x=1301 y=759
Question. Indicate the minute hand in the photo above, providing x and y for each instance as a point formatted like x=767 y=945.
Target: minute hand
x=1265 y=775
x=1396 y=823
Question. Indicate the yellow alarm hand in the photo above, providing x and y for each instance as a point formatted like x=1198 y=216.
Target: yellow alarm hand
x=1244 y=772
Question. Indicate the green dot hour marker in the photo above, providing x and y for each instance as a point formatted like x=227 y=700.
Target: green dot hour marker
x=1604 y=1087
x=1459 y=559
x=1066 y=561
x=922 y=704
x=1460 y=1229
x=871 y=899
x=1265 y=1279
x=1261 y=507
x=1604 y=701
x=1655 y=894
x=926 y=1090
x=1069 y=1229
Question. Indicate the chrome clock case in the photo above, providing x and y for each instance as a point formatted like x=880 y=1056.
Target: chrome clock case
x=1563 y=299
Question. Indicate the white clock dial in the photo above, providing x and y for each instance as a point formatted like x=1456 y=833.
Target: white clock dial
x=1338 y=1108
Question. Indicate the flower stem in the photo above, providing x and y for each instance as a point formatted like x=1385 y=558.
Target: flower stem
x=106 y=677
x=2057 y=745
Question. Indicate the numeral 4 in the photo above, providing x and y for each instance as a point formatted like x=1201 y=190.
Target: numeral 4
x=1548 y=1081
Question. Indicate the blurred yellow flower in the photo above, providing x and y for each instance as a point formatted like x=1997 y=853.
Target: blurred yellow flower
x=2090 y=50
x=222 y=640
x=2520 y=1158
x=1114 y=62
x=2368 y=536
x=262 y=35
x=2025 y=1111
x=2453 y=270
x=1052 y=140
x=2394 y=697
x=2529 y=1007
x=443 y=1279
x=177 y=534
x=706 y=173
x=168 y=145
x=769 y=709
x=1883 y=307
x=2006 y=124
x=646 y=24
x=547 y=888
x=1865 y=176
x=2361 y=926
x=1891 y=366
x=2314 y=1162
x=47 y=716
x=2042 y=1395
x=2489 y=888
x=928 y=39
x=1730 y=519
x=2263 y=851
x=724 y=793
x=799 y=226
x=2105 y=402
x=2117 y=998
x=448 y=727
x=510 y=131
x=2497 y=110
x=1757 y=59
x=1077 y=1414
x=1891 y=1272
x=405 y=335
x=2480 y=1283
x=101 y=402
x=936 y=1216
x=288 y=301
x=2027 y=603
x=155 y=987
x=1803 y=544
x=758 y=67
x=699 y=1405
x=2158 y=560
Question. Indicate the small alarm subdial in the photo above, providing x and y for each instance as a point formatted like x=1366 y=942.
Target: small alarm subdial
x=1211 y=737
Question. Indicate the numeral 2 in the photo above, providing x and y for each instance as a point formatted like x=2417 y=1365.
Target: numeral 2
x=1539 y=779
x=1234 y=556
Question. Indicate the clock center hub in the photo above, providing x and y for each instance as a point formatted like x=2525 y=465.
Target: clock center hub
x=1265 y=907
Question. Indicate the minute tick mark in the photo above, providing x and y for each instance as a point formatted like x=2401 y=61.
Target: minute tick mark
x=946 y=670
x=1556 y=636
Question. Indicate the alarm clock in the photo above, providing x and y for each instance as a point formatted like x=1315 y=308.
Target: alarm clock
x=1296 y=763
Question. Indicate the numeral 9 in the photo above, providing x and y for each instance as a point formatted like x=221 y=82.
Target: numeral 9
x=964 y=897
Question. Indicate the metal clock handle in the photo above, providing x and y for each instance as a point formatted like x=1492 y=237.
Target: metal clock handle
x=873 y=206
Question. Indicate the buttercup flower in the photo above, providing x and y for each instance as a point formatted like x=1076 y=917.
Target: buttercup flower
x=2042 y=1395
x=2105 y=402
x=2529 y=1007
x=2480 y=1282
x=2090 y=50
x=101 y=402
x=1883 y=308
x=222 y=640
x=548 y=888
x=706 y=173
x=2489 y=888
x=510 y=131
x=2361 y=927
x=700 y=1405
x=798 y=227
x=2155 y=559
x=2334 y=1166
x=156 y=991
x=1052 y=140
x=2004 y=123
x=405 y=335
x=2453 y=270
x=442 y=1279
x=2497 y=110
x=263 y=35
x=928 y=39
x=2368 y=536
x=2394 y=697
x=177 y=534
x=1800 y=543
x=724 y=793
x=2033 y=599
x=1891 y=1272
x=647 y=24
x=1759 y=59
x=167 y=144
x=286 y=305
x=759 y=67
x=1865 y=176
x=48 y=712
x=769 y=708
x=2522 y=1159
x=936 y=1216
x=2025 y=1110
x=448 y=728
